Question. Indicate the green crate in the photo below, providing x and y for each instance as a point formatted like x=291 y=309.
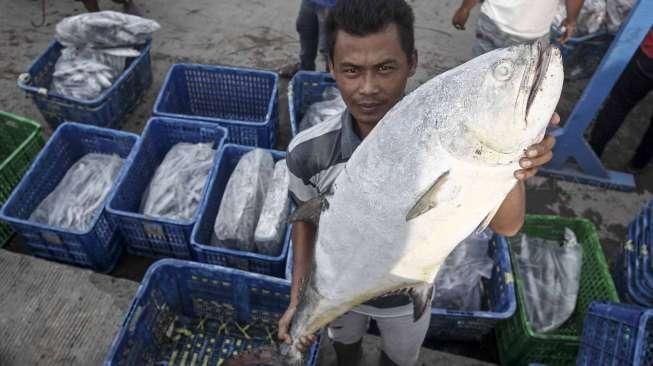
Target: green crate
x=518 y=343
x=20 y=142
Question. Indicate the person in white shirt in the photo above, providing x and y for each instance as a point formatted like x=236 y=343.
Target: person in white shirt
x=504 y=23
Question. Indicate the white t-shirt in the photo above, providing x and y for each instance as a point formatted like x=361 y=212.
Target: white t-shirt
x=523 y=18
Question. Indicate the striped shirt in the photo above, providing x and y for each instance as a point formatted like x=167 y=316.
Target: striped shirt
x=315 y=158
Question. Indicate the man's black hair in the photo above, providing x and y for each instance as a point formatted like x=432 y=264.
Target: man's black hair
x=365 y=17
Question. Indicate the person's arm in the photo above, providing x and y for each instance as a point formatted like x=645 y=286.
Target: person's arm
x=460 y=17
x=301 y=191
x=569 y=24
x=510 y=215
x=303 y=236
x=509 y=218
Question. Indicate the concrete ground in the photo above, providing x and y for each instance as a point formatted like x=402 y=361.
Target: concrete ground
x=53 y=314
x=261 y=34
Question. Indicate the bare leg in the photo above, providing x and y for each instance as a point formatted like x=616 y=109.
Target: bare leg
x=91 y=5
x=129 y=7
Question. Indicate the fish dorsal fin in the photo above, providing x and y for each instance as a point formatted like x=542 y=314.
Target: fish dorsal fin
x=428 y=199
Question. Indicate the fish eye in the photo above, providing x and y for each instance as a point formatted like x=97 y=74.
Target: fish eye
x=503 y=70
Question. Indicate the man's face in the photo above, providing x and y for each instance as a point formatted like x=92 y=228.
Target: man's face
x=371 y=72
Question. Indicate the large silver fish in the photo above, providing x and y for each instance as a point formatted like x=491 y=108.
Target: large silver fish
x=434 y=169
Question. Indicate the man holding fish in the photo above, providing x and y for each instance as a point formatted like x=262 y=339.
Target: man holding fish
x=397 y=181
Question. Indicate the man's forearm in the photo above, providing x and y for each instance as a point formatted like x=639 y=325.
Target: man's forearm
x=303 y=236
x=573 y=8
x=469 y=4
x=510 y=215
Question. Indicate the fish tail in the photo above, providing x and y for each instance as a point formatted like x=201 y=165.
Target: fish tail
x=291 y=355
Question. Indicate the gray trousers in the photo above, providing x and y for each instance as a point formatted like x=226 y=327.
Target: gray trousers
x=489 y=37
x=401 y=337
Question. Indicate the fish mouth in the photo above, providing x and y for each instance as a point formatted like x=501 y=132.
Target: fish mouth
x=541 y=66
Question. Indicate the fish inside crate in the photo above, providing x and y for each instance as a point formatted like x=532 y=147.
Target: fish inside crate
x=189 y=313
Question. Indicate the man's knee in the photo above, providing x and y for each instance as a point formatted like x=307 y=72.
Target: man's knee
x=348 y=329
x=402 y=338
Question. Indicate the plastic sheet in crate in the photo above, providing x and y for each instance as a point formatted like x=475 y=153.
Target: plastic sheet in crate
x=500 y=290
x=616 y=334
x=107 y=110
x=517 y=342
x=159 y=237
x=100 y=246
x=201 y=238
x=242 y=100
x=305 y=88
x=186 y=311
x=20 y=142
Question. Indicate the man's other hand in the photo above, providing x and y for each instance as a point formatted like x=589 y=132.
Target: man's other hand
x=283 y=334
x=538 y=154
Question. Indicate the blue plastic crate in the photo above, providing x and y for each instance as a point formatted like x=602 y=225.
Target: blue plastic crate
x=648 y=212
x=180 y=307
x=635 y=273
x=502 y=303
x=642 y=236
x=631 y=267
x=305 y=88
x=646 y=236
x=99 y=247
x=107 y=110
x=158 y=237
x=616 y=334
x=201 y=238
x=242 y=100
x=630 y=288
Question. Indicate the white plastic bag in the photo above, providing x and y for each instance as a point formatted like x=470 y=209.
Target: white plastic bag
x=591 y=19
x=104 y=29
x=176 y=187
x=96 y=46
x=272 y=223
x=242 y=201
x=331 y=104
x=85 y=73
x=458 y=285
x=617 y=12
x=80 y=193
x=551 y=277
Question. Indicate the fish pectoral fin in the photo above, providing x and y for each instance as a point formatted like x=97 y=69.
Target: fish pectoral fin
x=310 y=211
x=429 y=199
x=421 y=297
